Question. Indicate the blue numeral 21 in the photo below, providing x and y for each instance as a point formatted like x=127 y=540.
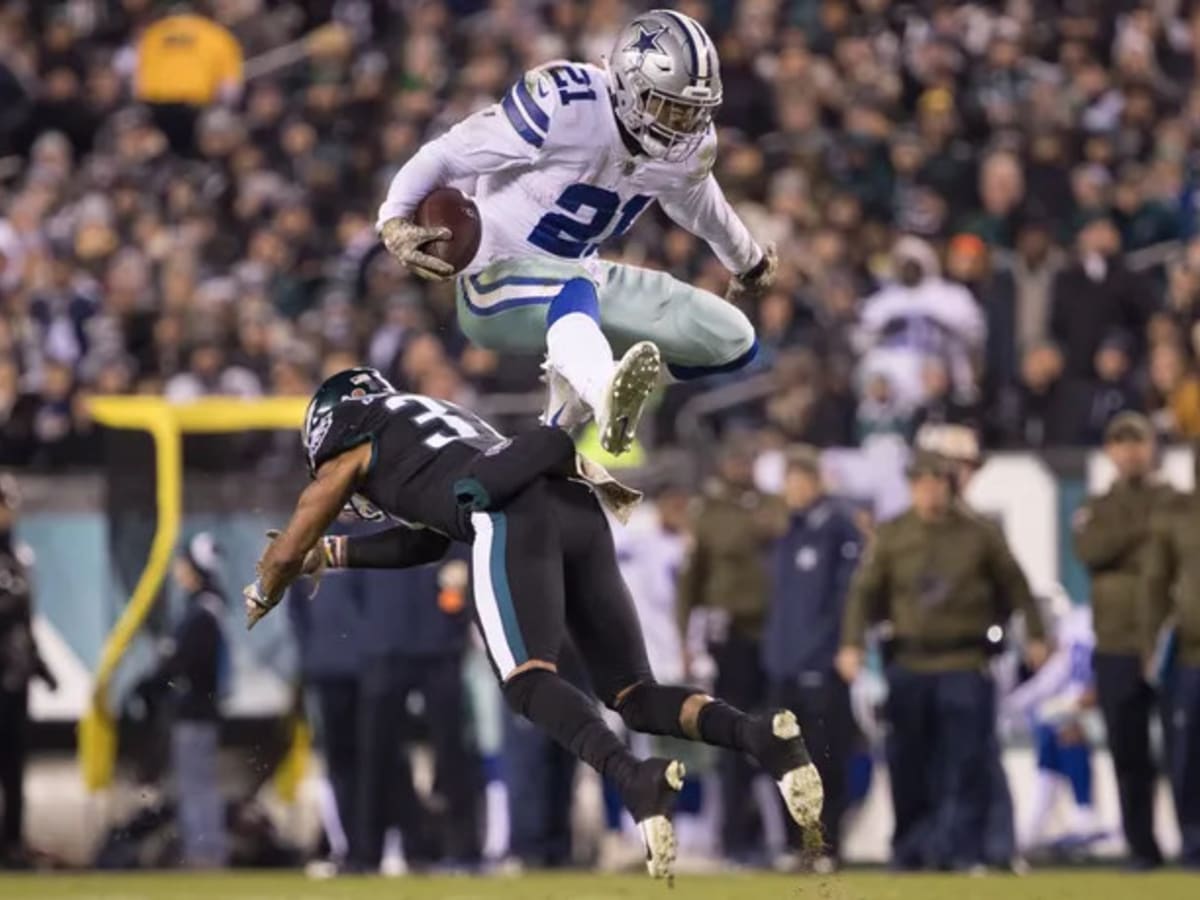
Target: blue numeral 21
x=572 y=237
x=565 y=76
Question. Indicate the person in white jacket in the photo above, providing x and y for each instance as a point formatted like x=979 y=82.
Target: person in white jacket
x=918 y=317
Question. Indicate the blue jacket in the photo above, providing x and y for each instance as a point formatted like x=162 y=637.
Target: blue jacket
x=328 y=627
x=811 y=570
x=422 y=611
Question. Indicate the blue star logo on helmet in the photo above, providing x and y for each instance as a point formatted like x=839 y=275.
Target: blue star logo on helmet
x=647 y=41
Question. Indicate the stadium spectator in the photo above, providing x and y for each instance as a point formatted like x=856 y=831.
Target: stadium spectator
x=1112 y=390
x=1096 y=297
x=941 y=701
x=812 y=566
x=196 y=669
x=920 y=316
x=414 y=634
x=725 y=572
x=186 y=62
x=20 y=663
x=1035 y=265
x=940 y=406
x=969 y=262
x=1111 y=534
x=1169 y=617
x=1042 y=408
x=16 y=416
x=1175 y=392
x=328 y=633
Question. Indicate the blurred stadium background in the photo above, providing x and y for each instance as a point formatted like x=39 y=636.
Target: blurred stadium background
x=191 y=220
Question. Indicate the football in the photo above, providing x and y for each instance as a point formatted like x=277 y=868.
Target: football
x=449 y=208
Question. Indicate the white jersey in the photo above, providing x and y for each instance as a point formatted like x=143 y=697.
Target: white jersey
x=650 y=559
x=551 y=176
x=1052 y=694
x=902 y=327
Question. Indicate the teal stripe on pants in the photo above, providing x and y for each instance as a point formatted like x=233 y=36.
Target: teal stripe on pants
x=504 y=602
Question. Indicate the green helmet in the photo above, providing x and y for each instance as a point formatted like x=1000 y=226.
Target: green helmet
x=345 y=385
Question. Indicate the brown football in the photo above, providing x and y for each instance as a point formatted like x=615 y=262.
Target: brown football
x=449 y=208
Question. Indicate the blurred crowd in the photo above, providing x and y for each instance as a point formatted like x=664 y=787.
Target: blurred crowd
x=984 y=210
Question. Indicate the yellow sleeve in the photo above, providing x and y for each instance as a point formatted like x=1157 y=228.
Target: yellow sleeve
x=1185 y=407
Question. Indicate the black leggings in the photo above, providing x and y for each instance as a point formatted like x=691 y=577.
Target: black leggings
x=545 y=567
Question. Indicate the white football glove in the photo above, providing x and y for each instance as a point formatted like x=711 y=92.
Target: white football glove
x=753 y=283
x=326 y=553
x=404 y=240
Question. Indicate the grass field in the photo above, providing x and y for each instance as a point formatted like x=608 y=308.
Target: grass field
x=1089 y=885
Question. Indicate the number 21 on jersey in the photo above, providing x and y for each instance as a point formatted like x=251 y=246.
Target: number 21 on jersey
x=596 y=214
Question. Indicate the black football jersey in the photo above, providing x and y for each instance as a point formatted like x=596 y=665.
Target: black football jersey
x=419 y=448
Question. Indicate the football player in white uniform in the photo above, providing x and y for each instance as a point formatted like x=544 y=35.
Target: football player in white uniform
x=570 y=157
x=1055 y=702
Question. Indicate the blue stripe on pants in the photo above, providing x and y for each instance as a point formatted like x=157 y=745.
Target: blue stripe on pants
x=508 y=612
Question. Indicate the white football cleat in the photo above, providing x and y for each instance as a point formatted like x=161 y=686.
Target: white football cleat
x=658 y=834
x=633 y=380
x=565 y=409
x=801 y=787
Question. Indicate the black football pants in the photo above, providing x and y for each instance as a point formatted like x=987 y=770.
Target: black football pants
x=545 y=567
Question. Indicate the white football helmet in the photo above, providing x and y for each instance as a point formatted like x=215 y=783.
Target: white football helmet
x=666 y=83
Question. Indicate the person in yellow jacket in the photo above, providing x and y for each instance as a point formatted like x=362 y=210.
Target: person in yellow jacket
x=186 y=62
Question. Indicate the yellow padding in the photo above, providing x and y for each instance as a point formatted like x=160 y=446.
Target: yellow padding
x=166 y=422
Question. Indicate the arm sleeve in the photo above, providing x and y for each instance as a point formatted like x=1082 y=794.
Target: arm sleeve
x=1157 y=579
x=1013 y=586
x=866 y=589
x=1050 y=679
x=1102 y=544
x=702 y=209
x=849 y=552
x=395 y=548
x=505 y=135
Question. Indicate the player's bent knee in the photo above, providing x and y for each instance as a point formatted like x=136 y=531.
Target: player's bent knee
x=731 y=347
x=654 y=708
x=520 y=686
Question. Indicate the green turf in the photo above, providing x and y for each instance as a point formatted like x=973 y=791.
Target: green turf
x=1089 y=885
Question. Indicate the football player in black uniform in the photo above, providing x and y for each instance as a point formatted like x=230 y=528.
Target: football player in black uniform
x=543 y=565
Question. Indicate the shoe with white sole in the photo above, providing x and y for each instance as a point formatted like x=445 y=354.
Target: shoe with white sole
x=651 y=800
x=633 y=380
x=784 y=755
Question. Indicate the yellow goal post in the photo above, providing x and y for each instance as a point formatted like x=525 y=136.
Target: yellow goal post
x=166 y=422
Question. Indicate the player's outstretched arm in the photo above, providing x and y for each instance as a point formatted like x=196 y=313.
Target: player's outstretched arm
x=702 y=209
x=394 y=548
x=318 y=506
